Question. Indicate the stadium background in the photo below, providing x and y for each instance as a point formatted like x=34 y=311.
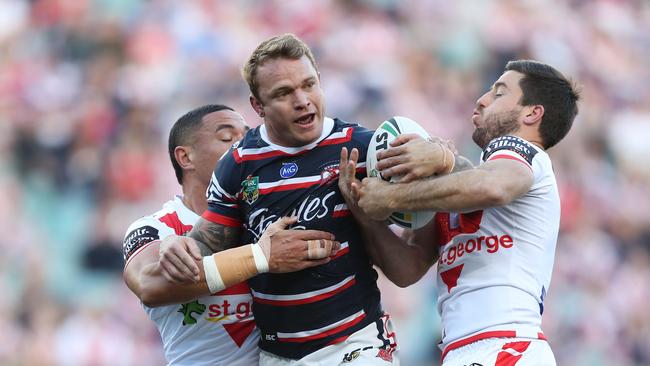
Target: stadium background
x=90 y=88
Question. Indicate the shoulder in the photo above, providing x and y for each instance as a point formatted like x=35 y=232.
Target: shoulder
x=355 y=131
x=140 y=233
x=511 y=147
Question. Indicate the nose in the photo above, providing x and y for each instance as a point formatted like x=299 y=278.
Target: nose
x=483 y=101
x=301 y=100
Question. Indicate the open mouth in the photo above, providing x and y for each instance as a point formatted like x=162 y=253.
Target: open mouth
x=305 y=120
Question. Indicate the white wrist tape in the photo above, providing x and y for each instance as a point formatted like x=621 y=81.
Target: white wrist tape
x=261 y=263
x=212 y=276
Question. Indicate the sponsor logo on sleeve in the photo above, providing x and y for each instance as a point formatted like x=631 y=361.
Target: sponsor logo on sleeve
x=138 y=238
x=512 y=143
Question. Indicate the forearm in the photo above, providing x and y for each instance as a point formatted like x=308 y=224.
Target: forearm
x=227 y=268
x=468 y=190
x=153 y=289
x=402 y=263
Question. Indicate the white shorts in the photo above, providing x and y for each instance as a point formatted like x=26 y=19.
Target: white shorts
x=502 y=352
x=361 y=348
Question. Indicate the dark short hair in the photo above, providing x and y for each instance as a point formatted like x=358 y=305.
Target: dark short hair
x=183 y=130
x=543 y=84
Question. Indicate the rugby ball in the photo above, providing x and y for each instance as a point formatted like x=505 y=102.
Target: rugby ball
x=381 y=139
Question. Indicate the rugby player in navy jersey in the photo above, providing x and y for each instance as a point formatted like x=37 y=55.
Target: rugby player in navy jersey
x=324 y=315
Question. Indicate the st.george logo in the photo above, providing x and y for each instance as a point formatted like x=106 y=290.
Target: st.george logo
x=288 y=170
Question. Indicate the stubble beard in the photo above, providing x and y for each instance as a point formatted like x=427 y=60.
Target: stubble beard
x=495 y=125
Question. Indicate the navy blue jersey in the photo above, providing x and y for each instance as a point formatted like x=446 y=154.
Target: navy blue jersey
x=256 y=183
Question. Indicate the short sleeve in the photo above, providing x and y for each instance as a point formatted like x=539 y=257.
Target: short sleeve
x=223 y=192
x=510 y=147
x=140 y=234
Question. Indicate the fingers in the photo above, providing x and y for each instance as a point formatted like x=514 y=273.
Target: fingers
x=194 y=251
x=356 y=190
x=390 y=162
x=344 y=157
x=404 y=138
x=313 y=235
x=171 y=274
x=283 y=222
x=317 y=249
x=354 y=156
x=396 y=171
x=393 y=151
x=183 y=264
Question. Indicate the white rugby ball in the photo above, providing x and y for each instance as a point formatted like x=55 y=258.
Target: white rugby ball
x=381 y=139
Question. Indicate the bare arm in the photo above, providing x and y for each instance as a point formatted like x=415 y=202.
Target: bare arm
x=285 y=251
x=403 y=260
x=143 y=275
x=494 y=183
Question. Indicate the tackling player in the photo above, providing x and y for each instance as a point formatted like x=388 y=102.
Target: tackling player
x=496 y=248
x=207 y=329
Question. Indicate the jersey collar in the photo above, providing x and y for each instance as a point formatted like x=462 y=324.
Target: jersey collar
x=328 y=126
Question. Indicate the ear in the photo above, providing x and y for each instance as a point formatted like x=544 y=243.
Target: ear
x=257 y=106
x=183 y=155
x=533 y=114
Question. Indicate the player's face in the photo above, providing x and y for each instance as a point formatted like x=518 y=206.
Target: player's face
x=291 y=101
x=498 y=111
x=217 y=133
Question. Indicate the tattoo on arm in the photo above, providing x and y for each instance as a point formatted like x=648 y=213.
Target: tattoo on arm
x=215 y=237
x=462 y=163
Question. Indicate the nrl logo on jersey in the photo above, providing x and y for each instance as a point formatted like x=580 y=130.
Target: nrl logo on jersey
x=251 y=189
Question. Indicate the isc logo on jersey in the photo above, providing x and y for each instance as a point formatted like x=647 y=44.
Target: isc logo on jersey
x=381 y=139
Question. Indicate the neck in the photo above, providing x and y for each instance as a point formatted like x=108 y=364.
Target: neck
x=194 y=197
x=533 y=139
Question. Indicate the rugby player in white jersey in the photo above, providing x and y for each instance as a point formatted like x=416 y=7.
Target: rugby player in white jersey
x=495 y=232
x=214 y=324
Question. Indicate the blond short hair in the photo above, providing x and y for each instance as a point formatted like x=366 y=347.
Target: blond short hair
x=283 y=46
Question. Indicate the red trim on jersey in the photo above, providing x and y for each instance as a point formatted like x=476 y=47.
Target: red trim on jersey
x=270 y=154
x=340 y=140
x=477 y=337
x=338 y=329
x=307 y=300
x=341 y=213
x=173 y=222
x=341 y=252
x=220 y=219
x=504 y=156
x=238 y=289
x=288 y=187
x=339 y=340
x=260 y=156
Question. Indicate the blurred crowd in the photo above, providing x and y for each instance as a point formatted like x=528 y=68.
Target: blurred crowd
x=90 y=88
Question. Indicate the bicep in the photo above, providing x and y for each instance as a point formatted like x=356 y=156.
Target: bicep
x=133 y=269
x=509 y=178
x=215 y=237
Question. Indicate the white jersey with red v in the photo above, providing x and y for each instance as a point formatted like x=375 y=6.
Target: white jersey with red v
x=495 y=264
x=212 y=330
